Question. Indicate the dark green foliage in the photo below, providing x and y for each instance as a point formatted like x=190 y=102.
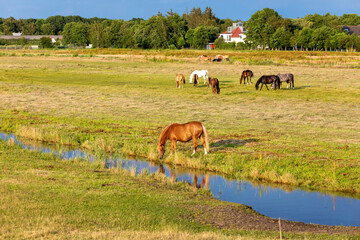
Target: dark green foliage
x=45 y=42
x=76 y=33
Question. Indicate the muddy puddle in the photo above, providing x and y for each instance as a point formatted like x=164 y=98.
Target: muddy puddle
x=275 y=201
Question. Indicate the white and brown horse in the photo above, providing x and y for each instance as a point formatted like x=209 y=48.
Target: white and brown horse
x=183 y=133
x=200 y=73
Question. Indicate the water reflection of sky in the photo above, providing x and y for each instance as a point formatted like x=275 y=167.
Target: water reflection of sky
x=295 y=205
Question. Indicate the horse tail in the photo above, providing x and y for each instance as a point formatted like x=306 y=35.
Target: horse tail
x=206 y=136
x=242 y=76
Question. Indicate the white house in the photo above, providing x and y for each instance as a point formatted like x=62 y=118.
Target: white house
x=234 y=33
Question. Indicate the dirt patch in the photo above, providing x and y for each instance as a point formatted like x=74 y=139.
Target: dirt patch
x=234 y=216
x=219 y=145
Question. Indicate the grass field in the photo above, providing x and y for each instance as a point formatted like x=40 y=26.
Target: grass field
x=43 y=197
x=305 y=137
x=119 y=101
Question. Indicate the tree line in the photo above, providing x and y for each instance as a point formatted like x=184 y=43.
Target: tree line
x=194 y=29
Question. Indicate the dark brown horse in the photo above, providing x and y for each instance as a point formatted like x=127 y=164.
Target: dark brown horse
x=183 y=133
x=214 y=82
x=179 y=80
x=268 y=79
x=288 y=78
x=196 y=80
x=246 y=74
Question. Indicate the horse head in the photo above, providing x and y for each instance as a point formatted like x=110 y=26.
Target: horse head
x=258 y=83
x=161 y=150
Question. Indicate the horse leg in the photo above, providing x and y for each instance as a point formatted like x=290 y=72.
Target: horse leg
x=261 y=86
x=266 y=86
x=203 y=143
x=174 y=143
x=195 y=145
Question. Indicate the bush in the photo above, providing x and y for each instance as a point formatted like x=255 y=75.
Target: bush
x=46 y=42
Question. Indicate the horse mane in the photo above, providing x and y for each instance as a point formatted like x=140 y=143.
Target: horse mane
x=163 y=137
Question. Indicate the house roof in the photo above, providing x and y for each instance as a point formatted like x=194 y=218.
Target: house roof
x=236 y=33
x=352 y=29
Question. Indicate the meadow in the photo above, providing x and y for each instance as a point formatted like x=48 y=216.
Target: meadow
x=119 y=101
x=308 y=136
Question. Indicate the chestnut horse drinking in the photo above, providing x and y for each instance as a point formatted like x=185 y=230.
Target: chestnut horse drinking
x=246 y=75
x=180 y=80
x=183 y=133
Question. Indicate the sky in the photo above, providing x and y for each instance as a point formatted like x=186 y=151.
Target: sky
x=128 y=9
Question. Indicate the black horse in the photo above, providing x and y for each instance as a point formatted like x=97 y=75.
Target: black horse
x=268 y=79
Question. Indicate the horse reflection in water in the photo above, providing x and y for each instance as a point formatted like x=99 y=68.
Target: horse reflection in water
x=203 y=184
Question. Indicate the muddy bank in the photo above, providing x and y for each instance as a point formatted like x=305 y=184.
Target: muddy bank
x=235 y=216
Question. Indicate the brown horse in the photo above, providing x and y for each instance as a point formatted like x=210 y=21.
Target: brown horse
x=246 y=74
x=205 y=58
x=268 y=79
x=214 y=82
x=183 y=133
x=179 y=80
x=196 y=80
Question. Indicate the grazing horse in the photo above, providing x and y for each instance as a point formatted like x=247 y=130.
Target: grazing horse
x=183 y=133
x=288 y=78
x=205 y=58
x=246 y=74
x=220 y=58
x=214 y=82
x=268 y=79
x=200 y=73
x=179 y=80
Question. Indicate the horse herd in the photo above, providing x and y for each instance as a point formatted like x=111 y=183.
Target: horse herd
x=275 y=80
x=196 y=130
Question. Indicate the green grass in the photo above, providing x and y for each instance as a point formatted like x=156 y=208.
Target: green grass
x=117 y=105
x=42 y=196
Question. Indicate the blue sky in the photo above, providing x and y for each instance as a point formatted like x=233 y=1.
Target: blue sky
x=127 y=9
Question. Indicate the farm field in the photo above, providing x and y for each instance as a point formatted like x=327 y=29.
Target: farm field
x=305 y=137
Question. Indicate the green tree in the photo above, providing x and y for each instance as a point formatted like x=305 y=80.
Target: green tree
x=262 y=25
x=350 y=19
x=48 y=29
x=304 y=38
x=280 y=39
x=320 y=38
x=204 y=35
x=97 y=35
x=46 y=42
x=10 y=26
x=353 y=43
x=57 y=21
x=76 y=33
x=190 y=37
